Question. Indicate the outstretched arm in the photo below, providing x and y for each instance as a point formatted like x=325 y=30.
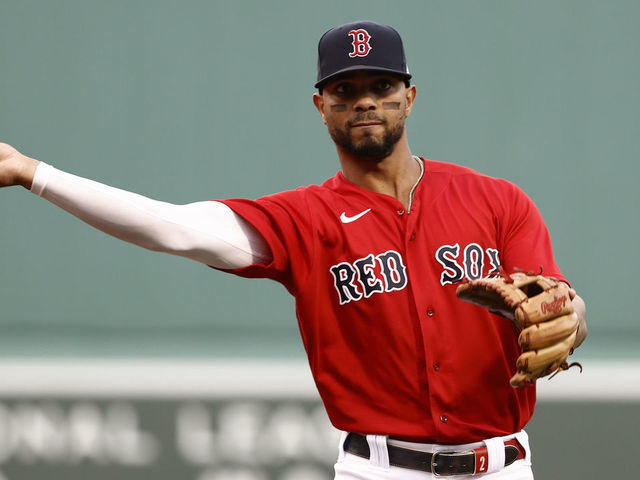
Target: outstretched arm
x=208 y=232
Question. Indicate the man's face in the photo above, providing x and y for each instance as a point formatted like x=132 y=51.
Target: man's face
x=365 y=112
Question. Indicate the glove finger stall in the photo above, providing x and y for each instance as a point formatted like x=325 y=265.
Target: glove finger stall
x=540 y=335
x=540 y=359
x=521 y=379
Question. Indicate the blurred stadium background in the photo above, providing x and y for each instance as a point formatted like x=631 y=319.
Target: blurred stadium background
x=120 y=363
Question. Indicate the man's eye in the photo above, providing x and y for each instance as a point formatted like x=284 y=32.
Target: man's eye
x=383 y=85
x=344 y=89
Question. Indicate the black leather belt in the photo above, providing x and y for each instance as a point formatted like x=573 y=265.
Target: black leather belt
x=439 y=464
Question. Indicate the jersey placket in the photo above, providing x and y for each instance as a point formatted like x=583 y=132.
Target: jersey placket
x=412 y=256
x=430 y=372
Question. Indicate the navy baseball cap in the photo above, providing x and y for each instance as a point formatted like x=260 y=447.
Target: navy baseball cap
x=362 y=45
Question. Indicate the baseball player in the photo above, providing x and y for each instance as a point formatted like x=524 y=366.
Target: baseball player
x=416 y=379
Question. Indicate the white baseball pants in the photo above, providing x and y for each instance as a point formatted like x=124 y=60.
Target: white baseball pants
x=352 y=467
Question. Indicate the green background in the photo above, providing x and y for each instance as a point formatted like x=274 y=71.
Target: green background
x=192 y=100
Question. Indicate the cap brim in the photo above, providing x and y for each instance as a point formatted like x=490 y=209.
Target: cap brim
x=354 y=68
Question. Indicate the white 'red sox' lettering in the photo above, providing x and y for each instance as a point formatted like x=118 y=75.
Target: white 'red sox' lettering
x=473 y=262
x=365 y=276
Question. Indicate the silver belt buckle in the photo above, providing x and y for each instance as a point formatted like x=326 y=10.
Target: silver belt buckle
x=434 y=463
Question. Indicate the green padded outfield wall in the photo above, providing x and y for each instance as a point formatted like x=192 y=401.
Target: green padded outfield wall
x=193 y=100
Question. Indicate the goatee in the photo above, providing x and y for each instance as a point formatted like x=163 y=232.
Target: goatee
x=369 y=147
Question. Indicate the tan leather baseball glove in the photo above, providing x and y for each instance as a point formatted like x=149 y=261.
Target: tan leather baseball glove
x=541 y=309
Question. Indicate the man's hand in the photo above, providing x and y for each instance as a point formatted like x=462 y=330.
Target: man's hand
x=581 y=310
x=15 y=168
x=543 y=311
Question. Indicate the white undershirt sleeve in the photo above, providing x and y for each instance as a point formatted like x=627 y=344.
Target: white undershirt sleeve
x=208 y=232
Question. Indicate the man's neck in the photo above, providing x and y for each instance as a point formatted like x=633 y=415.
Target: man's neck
x=394 y=175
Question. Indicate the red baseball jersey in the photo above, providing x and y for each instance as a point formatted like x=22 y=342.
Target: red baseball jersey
x=391 y=348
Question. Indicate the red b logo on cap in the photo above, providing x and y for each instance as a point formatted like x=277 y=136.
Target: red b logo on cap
x=361 y=47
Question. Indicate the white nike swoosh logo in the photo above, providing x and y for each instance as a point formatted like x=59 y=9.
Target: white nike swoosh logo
x=345 y=219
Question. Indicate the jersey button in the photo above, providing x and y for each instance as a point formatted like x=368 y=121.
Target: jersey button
x=412 y=237
x=401 y=212
x=443 y=418
x=430 y=312
x=436 y=366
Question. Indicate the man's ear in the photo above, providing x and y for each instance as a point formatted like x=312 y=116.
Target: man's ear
x=318 y=101
x=410 y=96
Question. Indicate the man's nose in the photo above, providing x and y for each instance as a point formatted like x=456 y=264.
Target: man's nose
x=365 y=103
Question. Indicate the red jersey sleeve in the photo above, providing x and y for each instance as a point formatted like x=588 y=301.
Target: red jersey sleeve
x=526 y=243
x=284 y=222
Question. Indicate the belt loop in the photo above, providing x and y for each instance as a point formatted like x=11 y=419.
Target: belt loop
x=523 y=438
x=343 y=438
x=495 y=452
x=379 y=451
